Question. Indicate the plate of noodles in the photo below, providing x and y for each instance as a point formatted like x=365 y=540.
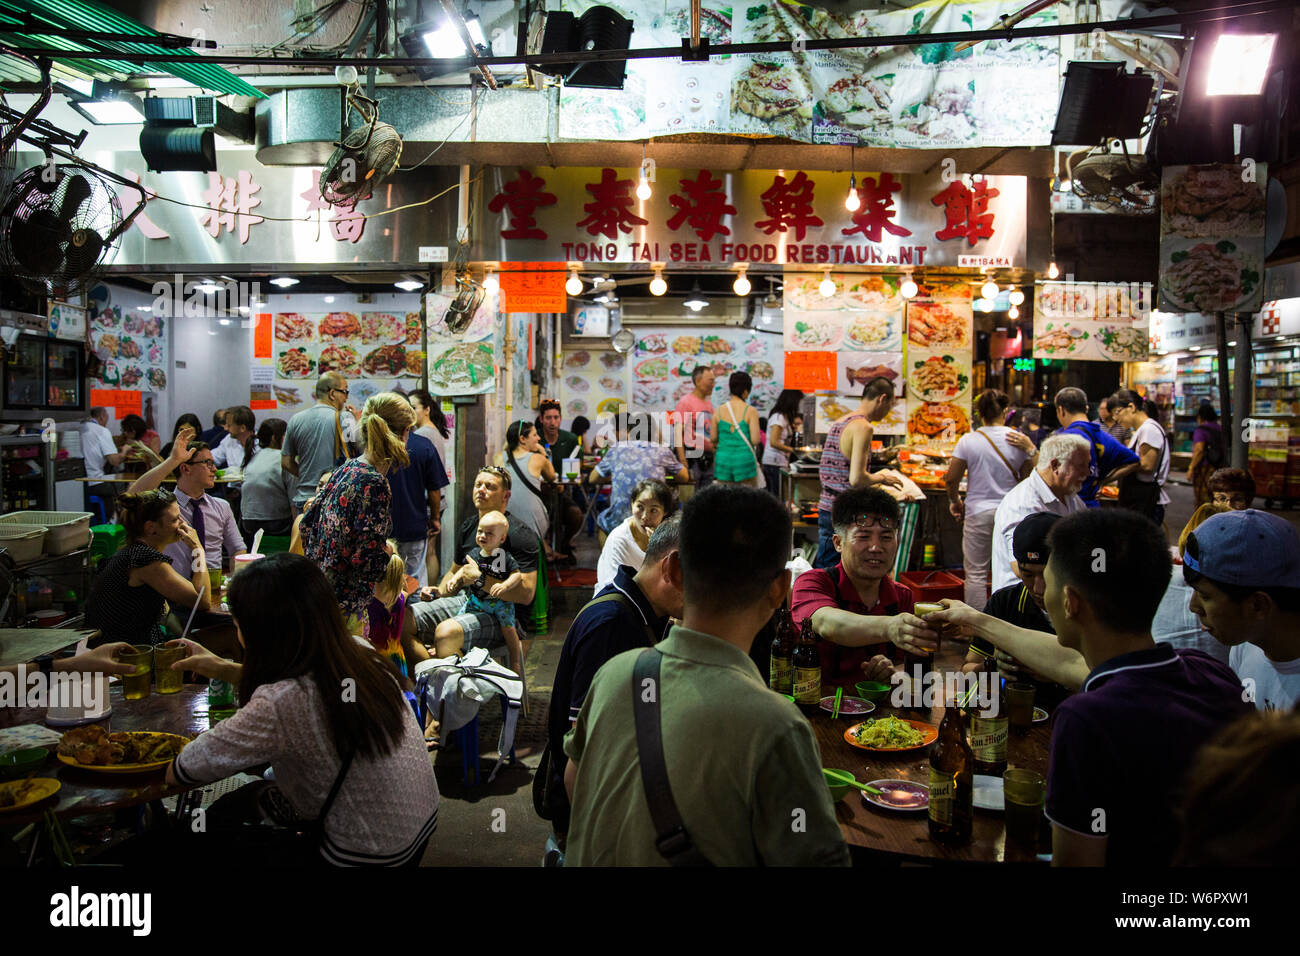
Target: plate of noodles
x=891 y=734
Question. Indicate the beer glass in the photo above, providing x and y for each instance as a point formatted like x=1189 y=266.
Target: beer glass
x=135 y=686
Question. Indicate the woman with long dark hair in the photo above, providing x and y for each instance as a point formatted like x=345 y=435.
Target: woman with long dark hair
x=529 y=467
x=1209 y=452
x=266 y=500
x=189 y=418
x=323 y=709
x=780 y=429
x=1144 y=490
x=140 y=442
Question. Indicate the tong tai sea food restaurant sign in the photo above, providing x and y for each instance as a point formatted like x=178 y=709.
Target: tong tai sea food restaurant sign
x=776 y=217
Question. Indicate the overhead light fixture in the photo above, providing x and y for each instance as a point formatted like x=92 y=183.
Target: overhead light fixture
x=144 y=308
x=852 y=202
x=696 y=301
x=1239 y=64
x=909 y=288
x=574 y=285
x=600 y=29
x=1016 y=297
x=989 y=290
x=643 y=186
x=1101 y=101
x=409 y=285
x=1052 y=271
x=329 y=300
x=243 y=310
x=984 y=305
x=1193 y=348
x=490 y=282
x=109 y=104
x=827 y=286
x=224 y=321
x=1232 y=345
x=207 y=287
x=284 y=282
x=1013 y=313
x=657 y=285
x=741 y=286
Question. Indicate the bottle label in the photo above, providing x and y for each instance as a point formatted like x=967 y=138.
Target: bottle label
x=941 y=796
x=988 y=739
x=779 y=679
x=807 y=684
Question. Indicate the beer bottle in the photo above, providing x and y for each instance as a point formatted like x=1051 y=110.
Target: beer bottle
x=989 y=726
x=952 y=785
x=807 y=670
x=779 y=674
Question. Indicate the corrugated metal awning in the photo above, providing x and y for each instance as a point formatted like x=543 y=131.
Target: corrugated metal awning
x=86 y=15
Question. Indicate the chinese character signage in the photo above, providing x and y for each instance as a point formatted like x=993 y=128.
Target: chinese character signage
x=777 y=217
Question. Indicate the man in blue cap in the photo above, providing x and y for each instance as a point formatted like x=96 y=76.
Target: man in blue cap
x=1244 y=567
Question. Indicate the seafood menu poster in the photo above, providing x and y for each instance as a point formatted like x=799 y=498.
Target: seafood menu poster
x=593 y=382
x=1092 y=321
x=663 y=359
x=865 y=313
x=831 y=408
x=462 y=361
x=937 y=365
x=133 y=348
x=1212 y=238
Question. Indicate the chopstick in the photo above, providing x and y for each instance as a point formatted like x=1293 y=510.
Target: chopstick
x=839 y=696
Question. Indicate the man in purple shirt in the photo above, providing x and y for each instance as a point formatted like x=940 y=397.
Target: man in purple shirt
x=1122 y=745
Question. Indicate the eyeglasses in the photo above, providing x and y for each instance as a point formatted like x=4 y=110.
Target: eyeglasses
x=345 y=392
x=209 y=462
x=868 y=521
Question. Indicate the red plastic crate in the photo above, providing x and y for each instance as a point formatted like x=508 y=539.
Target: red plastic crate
x=931 y=586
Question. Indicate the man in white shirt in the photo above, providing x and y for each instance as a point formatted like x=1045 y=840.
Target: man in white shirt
x=99 y=450
x=1053 y=486
x=239 y=425
x=1244 y=569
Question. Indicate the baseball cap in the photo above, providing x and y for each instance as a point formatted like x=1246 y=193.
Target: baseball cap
x=1029 y=540
x=1249 y=548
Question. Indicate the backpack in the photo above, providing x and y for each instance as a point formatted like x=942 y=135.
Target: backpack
x=1216 y=456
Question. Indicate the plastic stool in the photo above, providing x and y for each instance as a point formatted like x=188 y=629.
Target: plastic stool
x=97 y=503
x=466 y=740
x=537 y=616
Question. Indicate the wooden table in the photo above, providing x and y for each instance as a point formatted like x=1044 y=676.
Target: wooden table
x=18 y=645
x=89 y=791
x=905 y=836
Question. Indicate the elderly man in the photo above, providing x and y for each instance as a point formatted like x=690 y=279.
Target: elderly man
x=1063 y=463
x=1109 y=461
x=445 y=617
x=314 y=442
x=856 y=609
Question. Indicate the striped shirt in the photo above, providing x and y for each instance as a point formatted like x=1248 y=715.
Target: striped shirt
x=834 y=471
x=386 y=809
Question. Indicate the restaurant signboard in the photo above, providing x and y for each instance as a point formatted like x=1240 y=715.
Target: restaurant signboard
x=777 y=218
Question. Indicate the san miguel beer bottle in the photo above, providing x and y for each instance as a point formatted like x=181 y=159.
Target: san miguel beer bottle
x=989 y=725
x=952 y=785
x=780 y=676
x=807 y=670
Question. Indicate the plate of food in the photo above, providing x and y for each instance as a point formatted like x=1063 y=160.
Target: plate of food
x=760 y=370
x=340 y=358
x=132 y=376
x=937 y=378
x=578 y=359
x=897 y=794
x=653 y=343
x=1211 y=201
x=686 y=344
x=1060 y=338
x=777 y=95
x=610 y=384
x=811 y=330
x=287 y=396
x=613 y=361
x=831 y=409
x=938 y=325
x=1040 y=715
x=93 y=748
x=157 y=379
x=874 y=293
x=650 y=395
x=294 y=327
x=891 y=734
x=576 y=383
x=715 y=345
x=380 y=328
x=16 y=794
x=340 y=325
x=470 y=365
x=414 y=363
x=107 y=345
x=651 y=369
x=859 y=369
x=294 y=363
x=1211 y=277
x=1123 y=343
x=386 y=361
x=578 y=406
x=872 y=330
x=849 y=706
x=1067 y=300
x=941 y=421
x=129 y=348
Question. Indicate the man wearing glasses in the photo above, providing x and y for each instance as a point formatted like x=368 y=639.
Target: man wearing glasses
x=863 y=618
x=314 y=442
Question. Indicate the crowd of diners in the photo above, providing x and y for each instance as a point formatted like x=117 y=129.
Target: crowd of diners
x=1194 y=645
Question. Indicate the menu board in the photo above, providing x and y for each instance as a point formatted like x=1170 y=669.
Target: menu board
x=133 y=349
x=1092 y=321
x=462 y=363
x=664 y=358
x=593 y=382
x=1212 y=237
x=938 y=363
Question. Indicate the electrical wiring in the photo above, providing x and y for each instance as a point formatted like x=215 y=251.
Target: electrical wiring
x=471 y=112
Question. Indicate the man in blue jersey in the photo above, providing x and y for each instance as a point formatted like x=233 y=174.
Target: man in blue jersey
x=1109 y=460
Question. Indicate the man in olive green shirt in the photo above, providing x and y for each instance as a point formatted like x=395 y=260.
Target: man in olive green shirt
x=742 y=761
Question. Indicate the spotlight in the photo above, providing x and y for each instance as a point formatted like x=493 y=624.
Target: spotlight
x=599 y=29
x=409 y=285
x=696 y=301
x=1239 y=64
x=109 y=104
x=284 y=282
x=1013 y=313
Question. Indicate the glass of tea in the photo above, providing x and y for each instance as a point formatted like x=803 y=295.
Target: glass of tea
x=135 y=686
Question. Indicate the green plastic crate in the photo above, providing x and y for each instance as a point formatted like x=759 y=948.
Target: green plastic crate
x=106 y=540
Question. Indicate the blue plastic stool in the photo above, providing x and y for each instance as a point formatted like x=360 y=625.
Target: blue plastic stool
x=466 y=740
x=98 y=503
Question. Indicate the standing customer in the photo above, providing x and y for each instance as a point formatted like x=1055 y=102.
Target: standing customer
x=738 y=758
x=694 y=411
x=100 y=451
x=780 y=430
x=313 y=443
x=266 y=501
x=417 y=504
x=240 y=444
x=1144 y=490
x=994 y=459
x=1209 y=452
x=736 y=425
x=1110 y=461
x=1110 y=424
x=846 y=461
x=346 y=532
x=297 y=653
x=559 y=445
x=432 y=424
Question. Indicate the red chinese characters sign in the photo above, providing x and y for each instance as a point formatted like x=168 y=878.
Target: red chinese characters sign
x=775 y=217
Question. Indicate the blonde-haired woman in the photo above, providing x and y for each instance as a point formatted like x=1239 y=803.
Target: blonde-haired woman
x=347 y=530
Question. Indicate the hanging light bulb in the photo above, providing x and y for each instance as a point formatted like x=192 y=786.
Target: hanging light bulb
x=852 y=202
x=643 y=187
x=574 y=285
x=989 y=290
x=984 y=305
x=1013 y=313
x=827 y=286
x=490 y=283
x=1016 y=297
x=1052 y=271
x=657 y=285
x=908 y=288
x=741 y=286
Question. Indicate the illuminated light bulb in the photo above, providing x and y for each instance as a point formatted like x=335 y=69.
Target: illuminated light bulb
x=643 y=188
x=1013 y=313
x=574 y=285
x=984 y=305
x=989 y=290
x=490 y=283
x=827 y=286
x=657 y=285
x=741 y=286
x=1052 y=271
x=908 y=288
x=852 y=202
x=1016 y=297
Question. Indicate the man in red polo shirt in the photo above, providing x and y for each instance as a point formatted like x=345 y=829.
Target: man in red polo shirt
x=863 y=618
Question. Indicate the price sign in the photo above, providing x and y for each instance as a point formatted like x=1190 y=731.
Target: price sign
x=810 y=371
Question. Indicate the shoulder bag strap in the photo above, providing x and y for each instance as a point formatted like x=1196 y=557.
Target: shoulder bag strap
x=334 y=791
x=522 y=477
x=623 y=599
x=671 y=840
x=997 y=451
x=736 y=429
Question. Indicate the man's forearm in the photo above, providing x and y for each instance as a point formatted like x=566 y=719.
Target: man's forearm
x=1037 y=650
x=848 y=629
x=523 y=590
x=289 y=465
x=1121 y=472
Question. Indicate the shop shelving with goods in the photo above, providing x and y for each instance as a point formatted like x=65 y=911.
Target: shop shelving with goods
x=1277 y=383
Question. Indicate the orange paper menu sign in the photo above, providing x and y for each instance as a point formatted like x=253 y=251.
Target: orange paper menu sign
x=533 y=287
x=263 y=404
x=262 y=332
x=123 y=401
x=810 y=371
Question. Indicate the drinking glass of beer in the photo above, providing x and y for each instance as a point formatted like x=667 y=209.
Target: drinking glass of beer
x=1024 y=791
x=164 y=656
x=135 y=686
x=1020 y=705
